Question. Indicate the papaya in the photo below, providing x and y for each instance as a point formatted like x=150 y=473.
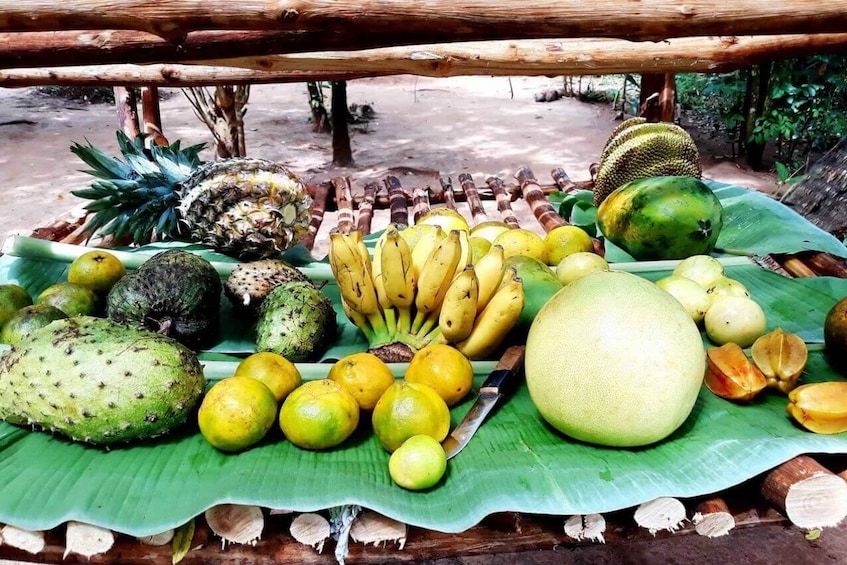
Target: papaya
x=654 y=218
x=539 y=284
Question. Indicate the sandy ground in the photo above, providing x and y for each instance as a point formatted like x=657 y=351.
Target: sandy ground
x=423 y=128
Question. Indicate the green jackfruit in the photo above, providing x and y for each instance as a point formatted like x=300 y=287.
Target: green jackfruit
x=630 y=161
x=640 y=129
x=626 y=124
x=97 y=382
x=296 y=320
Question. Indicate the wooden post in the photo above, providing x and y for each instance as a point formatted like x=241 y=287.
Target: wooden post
x=127 y=109
x=504 y=204
x=366 y=209
x=472 y=194
x=344 y=202
x=152 y=116
x=397 y=202
x=806 y=493
x=657 y=97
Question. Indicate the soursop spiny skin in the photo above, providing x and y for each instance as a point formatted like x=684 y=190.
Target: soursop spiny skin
x=249 y=283
x=296 y=320
x=98 y=382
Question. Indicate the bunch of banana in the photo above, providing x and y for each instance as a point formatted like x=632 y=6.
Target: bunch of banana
x=427 y=294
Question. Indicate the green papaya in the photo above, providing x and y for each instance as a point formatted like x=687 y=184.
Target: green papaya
x=655 y=218
x=539 y=284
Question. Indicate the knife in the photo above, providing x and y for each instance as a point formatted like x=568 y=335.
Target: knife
x=502 y=381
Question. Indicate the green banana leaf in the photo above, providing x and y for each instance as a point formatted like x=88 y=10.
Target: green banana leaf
x=753 y=223
x=515 y=462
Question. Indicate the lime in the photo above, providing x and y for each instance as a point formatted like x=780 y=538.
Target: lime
x=419 y=463
x=319 y=415
x=275 y=371
x=98 y=270
x=70 y=298
x=409 y=409
x=12 y=299
x=27 y=320
x=236 y=413
x=364 y=375
x=444 y=369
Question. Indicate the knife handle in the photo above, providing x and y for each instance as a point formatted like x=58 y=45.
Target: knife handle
x=504 y=378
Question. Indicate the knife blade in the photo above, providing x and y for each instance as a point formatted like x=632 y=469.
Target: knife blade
x=502 y=381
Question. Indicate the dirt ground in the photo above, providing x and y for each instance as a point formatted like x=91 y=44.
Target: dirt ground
x=423 y=128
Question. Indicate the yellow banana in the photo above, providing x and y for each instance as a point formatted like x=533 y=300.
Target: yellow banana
x=398 y=276
x=424 y=248
x=495 y=322
x=489 y=273
x=358 y=320
x=435 y=278
x=459 y=308
x=354 y=281
x=509 y=275
x=466 y=256
x=379 y=286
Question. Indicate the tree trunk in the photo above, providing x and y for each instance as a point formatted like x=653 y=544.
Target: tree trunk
x=657 y=97
x=320 y=117
x=748 y=117
x=126 y=106
x=223 y=114
x=756 y=149
x=152 y=116
x=342 y=153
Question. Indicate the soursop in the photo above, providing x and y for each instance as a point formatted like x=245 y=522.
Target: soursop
x=97 y=382
x=296 y=320
x=175 y=293
x=249 y=283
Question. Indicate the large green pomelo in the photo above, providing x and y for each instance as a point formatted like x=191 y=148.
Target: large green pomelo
x=612 y=359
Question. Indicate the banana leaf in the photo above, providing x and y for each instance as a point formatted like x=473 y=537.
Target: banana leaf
x=515 y=462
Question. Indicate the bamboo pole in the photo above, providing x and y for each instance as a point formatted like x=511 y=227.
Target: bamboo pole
x=344 y=202
x=420 y=203
x=562 y=180
x=478 y=214
x=447 y=191
x=398 y=204
x=658 y=19
x=537 y=201
x=504 y=204
x=366 y=209
x=320 y=199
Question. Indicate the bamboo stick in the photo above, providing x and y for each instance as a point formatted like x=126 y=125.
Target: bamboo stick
x=537 y=201
x=320 y=198
x=344 y=202
x=420 y=203
x=504 y=205
x=659 y=19
x=478 y=214
x=447 y=191
x=397 y=202
x=366 y=209
x=563 y=181
x=808 y=494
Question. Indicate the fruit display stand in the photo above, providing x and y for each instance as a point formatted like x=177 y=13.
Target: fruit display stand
x=504 y=512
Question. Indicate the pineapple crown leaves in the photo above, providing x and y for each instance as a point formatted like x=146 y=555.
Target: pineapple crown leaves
x=137 y=195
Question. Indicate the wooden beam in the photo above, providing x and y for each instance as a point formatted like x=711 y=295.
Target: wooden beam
x=657 y=19
x=530 y=57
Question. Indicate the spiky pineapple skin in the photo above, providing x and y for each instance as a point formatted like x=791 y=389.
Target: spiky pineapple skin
x=248 y=208
x=296 y=320
x=97 y=382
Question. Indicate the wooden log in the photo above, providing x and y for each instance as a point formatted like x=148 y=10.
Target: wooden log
x=152 y=117
x=420 y=203
x=660 y=19
x=320 y=198
x=478 y=214
x=808 y=494
x=366 y=209
x=796 y=267
x=657 y=97
x=398 y=203
x=239 y=65
x=126 y=106
x=712 y=518
x=447 y=191
x=504 y=205
x=537 y=201
x=825 y=264
x=563 y=181
x=344 y=201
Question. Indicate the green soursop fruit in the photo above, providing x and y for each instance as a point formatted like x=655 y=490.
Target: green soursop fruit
x=98 y=382
x=249 y=283
x=175 y=293
x=296 y=320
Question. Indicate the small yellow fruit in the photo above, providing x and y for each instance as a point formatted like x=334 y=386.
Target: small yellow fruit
x=702 y=269
x=522 y=242
x=12 y=298
x=98 y=270
x=418 y=464
x=447 y=218
x=364 y=375
x=577 y=265
x=319 y=415
x=236 y=413
x=409 y=409
x=275 y=371
x=443 y=368
x=735 y=319
x=725 y=286
x=70 y=298
x=489 y=230
x=413 y=234
x=479 y=247
x=690 y=294
x=566 y=240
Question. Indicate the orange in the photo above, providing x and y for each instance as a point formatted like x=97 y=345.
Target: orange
x=275 y=371
x=98 y=270
x=520 y=241
x=443 y=368
x=418 y=464
x=236 y=413
x=566 y=240
x=364 y=375
x=319 y=415
x=409 y=409
x=70 y=298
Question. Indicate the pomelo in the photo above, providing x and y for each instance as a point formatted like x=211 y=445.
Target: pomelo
x=612 y=359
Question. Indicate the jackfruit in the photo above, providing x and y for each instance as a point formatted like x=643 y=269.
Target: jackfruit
x=651 y=153
x=636 y=130
x=624 y=125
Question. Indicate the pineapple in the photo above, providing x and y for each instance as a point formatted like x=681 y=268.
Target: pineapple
x=247 y=208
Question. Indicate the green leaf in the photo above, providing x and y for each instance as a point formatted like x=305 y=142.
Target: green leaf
x=782 y=171
x=812 y=535
x=181 y=543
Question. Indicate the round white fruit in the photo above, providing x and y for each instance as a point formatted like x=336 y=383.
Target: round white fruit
x=577 y=265
x=735 y=319
x=725 y=286
x=612 y=359
x=701 y=269
x=691 y=295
